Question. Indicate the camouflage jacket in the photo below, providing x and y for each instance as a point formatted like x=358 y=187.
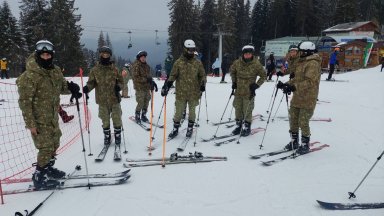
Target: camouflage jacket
x=189 y=75
x=245 y=73
x=140 y=74
x=103 y=79
x=128 y=76
x=306 y=82
x=39 y=94
x=292 y=64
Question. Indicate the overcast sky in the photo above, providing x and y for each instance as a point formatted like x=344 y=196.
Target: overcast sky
x=117 y=17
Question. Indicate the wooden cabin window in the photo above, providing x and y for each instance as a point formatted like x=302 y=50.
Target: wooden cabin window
x=348 y=51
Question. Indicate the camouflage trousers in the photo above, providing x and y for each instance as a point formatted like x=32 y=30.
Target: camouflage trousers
x=142 y=99
x=125 y=89
x=47 y=141
x=108 y=111
x=299 y=118
x=243 y=108
x=180 y=106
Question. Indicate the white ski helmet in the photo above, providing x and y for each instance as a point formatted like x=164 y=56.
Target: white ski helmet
x=248 y=49
x=307 y=46
x=44 y=46
x=189 y=44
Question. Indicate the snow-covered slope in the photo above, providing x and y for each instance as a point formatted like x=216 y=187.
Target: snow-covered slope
x=239 y=186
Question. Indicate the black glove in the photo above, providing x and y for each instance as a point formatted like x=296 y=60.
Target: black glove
x=164 y=90
x=292 y=75
x=234 y=85
x=117 y=88
x=280 y=85
x=85 y=90
x=154 y=86
x=74 y=89
x=289 y=88
x=202 y=88
x=252 y=89
x=280 y=73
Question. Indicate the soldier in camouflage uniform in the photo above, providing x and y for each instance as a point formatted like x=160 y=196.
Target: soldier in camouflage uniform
x=292 y=59
x=126 y=74
x=107 y=81
x=189 y=74
x=244 y=72
x=39 y=90
x=143 y=83
x=305 y=88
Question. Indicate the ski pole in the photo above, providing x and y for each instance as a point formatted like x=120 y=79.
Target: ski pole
x=78 y=167
x=246 y=113
x=352 y=194
x=87 y=123
x=198 y=118
x=221 y=119
x=270 y=100
x=165 y=130
x=230 y=114
x=289 y=120
x=125 y=146
x=206 y=105
x=154 y=132
x=82 y=141
x=273 y=118
x=269 y=116
x=150 y=132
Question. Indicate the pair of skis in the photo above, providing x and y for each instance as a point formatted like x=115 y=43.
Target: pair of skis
x=257 y=116
x=174 y=158
x=116 y=179
x=291 y=155
x=116 y=154
x=234 y=137
x=145 y=125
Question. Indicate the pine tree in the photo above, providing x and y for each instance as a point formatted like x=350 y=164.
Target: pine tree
x=183 y=25
x=64 y=33
x=34 y=17
x=101 y=41
x=13 y=46
x=346 y=11
x=208 y=28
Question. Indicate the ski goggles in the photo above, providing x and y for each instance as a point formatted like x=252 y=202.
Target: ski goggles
x=44 y=47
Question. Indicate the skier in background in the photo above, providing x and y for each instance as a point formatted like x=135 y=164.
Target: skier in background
x=225 y=64
x=143 y=84
x=332 y=62
x=271 y=66
x=292 y=59
x=126 y=74
x=4 y=68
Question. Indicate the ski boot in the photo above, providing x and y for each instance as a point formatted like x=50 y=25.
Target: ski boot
x=143 y=117
x=293 y=144
x=64 y=115
x=53 y=172
x=304 y=147
x=175 y=130
x=40 y=179
x=247 y=129
x=107 y=136
x=237 y=130
x=118 y=136
x=190 y=128
x=137 y=117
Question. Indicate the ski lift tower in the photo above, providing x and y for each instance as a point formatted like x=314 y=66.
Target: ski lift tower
x=220 y=35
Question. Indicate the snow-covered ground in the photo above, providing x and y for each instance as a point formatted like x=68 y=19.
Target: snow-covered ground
x=239 y=186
